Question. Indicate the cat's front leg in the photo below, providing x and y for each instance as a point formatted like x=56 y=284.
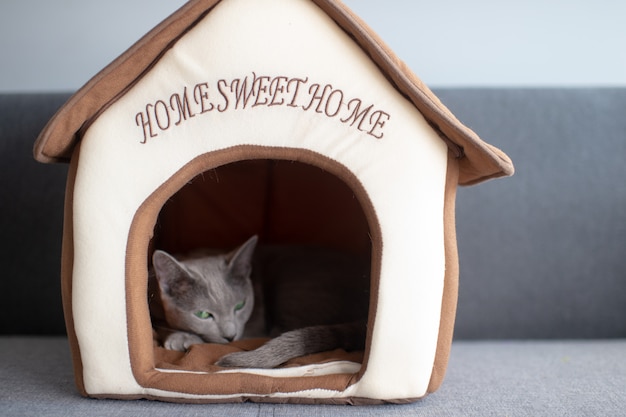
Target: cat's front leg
x=181 y=341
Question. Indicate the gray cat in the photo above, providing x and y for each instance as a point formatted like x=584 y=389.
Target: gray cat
x=312 y=299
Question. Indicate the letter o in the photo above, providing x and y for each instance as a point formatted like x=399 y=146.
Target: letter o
x=330 y=97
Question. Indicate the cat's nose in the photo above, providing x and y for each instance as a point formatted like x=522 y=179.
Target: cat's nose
x=229 y=336
x=229 y=331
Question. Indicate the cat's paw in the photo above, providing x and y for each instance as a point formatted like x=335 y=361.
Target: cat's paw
x=181 y=341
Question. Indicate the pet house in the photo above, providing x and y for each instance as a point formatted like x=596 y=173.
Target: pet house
x=286 y=118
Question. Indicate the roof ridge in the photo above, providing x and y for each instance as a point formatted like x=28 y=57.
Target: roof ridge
x=478 y=160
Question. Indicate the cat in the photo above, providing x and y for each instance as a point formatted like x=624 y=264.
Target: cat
x=309 y=299
x=205 y=298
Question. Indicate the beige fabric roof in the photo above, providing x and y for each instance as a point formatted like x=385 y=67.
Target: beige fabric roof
x=478 y=160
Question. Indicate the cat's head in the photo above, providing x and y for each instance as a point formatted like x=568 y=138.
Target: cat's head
x=210 y=296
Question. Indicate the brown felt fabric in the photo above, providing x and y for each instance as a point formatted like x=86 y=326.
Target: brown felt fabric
x=142 y=351
x=281 y=201
x=67 y=265
x=145 y=357
x=451 y=279
x=281 y=219
x=201 y=358
x=478 y=160
x=62 y=132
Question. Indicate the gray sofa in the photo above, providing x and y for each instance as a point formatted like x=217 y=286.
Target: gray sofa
x=541 y=323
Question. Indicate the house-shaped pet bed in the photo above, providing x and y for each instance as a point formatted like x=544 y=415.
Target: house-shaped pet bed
x=284 y=118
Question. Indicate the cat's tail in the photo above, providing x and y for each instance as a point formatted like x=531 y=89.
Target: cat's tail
x=300 y=342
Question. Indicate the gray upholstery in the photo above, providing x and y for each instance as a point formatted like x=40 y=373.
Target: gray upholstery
x=485 y=378
x=31 y=219
x=542 y=254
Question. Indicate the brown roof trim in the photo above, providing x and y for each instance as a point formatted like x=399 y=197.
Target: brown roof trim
x=478 y=160
x=58 y=138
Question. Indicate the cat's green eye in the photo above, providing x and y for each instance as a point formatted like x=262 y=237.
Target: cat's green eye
x=240 y=305
x=204 y=315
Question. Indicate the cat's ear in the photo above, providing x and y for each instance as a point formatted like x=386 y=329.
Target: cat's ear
x=240 y=263
x=168 y=270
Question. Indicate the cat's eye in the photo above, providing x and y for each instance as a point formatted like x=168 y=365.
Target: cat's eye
x=240 y=305
x=204 y=315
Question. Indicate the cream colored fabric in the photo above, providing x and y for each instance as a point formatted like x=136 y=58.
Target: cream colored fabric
x=141 y=140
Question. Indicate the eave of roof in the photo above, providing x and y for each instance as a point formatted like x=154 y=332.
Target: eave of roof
x=478 y=161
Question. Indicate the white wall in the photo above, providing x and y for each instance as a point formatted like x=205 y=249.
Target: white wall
x=57 y=45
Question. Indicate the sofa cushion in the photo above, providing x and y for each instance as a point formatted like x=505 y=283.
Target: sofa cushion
x=541 y=254
x=487 y=378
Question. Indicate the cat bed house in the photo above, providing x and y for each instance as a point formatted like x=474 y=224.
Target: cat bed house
x=284 y=118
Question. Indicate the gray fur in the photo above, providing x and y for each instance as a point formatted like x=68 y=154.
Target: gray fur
x=215 y=284
x=312 y=293
x=299 y=342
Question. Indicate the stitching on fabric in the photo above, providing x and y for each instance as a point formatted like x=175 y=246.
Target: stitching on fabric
x=144 y=369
